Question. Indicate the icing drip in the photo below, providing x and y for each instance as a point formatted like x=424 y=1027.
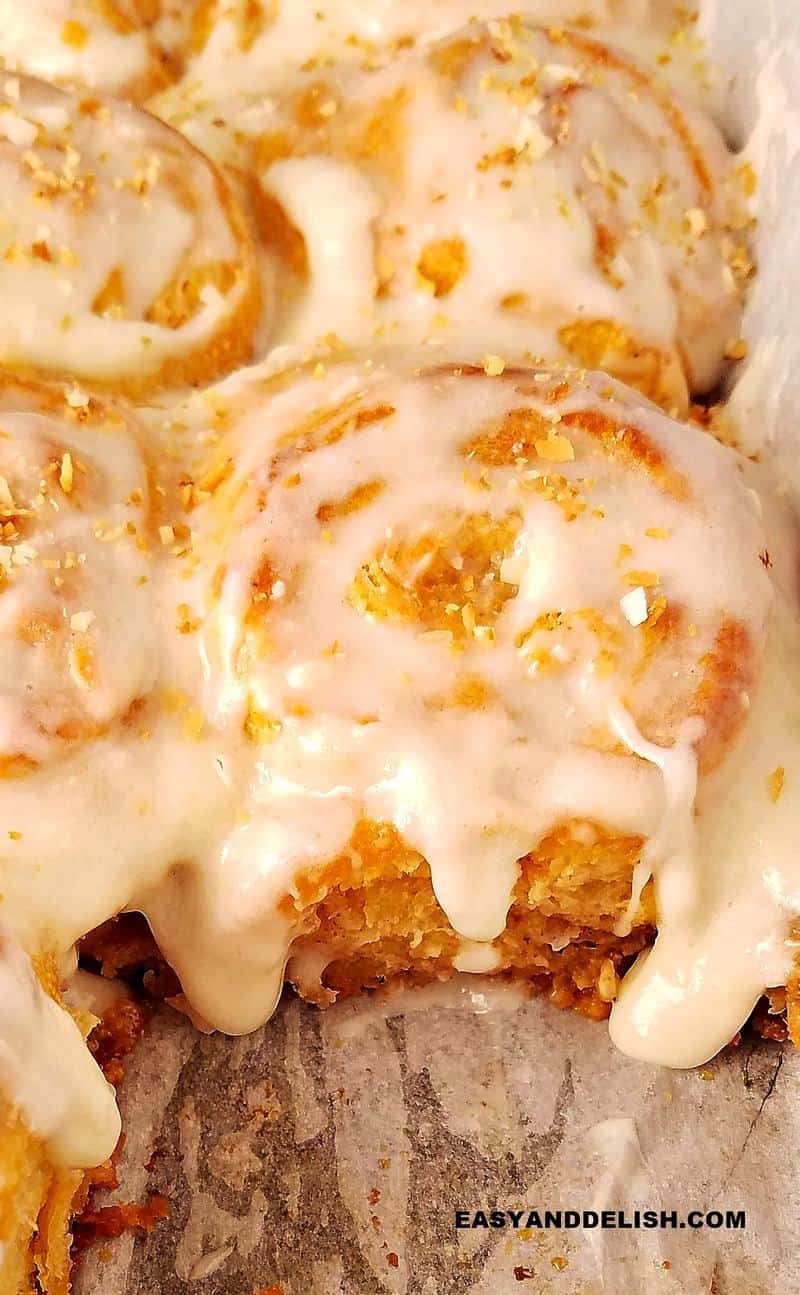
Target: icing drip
x=673 y=842
x=725 y=924
x=47 y=1070
x=471 y=607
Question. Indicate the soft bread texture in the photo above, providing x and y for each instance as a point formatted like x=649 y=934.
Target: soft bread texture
x=374 y=919
x=36 y=1206
x=37 y=1199
x=538 y=179
x=41 y=1203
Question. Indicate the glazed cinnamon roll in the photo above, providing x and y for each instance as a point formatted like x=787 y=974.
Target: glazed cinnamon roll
x=74 y=558
x=484 y=632
x=79 y=657
x=106 y=45
x=531 y=185
x=124 y=260
x=453 y=667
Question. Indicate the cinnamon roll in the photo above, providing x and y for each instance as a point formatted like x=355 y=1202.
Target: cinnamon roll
x=124 y=260
x=424 y=645
x=483 y=631
x=451 y=667
x=78 y=658
x=531 y=185
x=76 y=609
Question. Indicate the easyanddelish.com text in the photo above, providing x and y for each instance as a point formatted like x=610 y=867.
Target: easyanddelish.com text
x=623 y=1219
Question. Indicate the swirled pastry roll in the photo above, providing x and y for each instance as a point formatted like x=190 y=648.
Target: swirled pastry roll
x=102 y=44
x=80 y=659
x=512 y=182
x=79 y=656
x=511 y=175
x=463 y=622
x=123 y=258
x=75 y=599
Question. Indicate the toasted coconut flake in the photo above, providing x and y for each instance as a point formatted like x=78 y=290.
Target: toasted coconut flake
x=736 y=349
x=555 y=448
x=66 y=474
x=74 y=34
x=634 y=606
x=647 y=578
x=80 y=622
x=775 y=782
x=493 y=366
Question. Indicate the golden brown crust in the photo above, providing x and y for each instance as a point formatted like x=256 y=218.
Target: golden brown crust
x=373 y=915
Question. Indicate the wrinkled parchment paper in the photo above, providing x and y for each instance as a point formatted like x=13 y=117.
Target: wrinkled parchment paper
x=327 y=1154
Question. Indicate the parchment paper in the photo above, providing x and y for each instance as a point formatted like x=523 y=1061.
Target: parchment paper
x=328 y=1153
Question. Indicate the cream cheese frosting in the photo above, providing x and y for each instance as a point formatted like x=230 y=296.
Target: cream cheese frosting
x=90 y=291
x=258 y=40
x=102 y=44
x=235 y=625
x=289 y=693
x=514 y=182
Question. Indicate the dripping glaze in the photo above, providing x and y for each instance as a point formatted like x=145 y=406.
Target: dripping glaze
x=154 y=812
x=177 y=845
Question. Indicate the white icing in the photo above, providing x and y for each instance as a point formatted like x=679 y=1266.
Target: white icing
x=99 y=43
x=80 y=270
x=668 y=850
x=478 y=959
x=47 y=1071
x=297 y=32
x=728 y=896
x=339 y=243
x=543 y=163
x=131 y=654
x=76 y=612
x=765 y=115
